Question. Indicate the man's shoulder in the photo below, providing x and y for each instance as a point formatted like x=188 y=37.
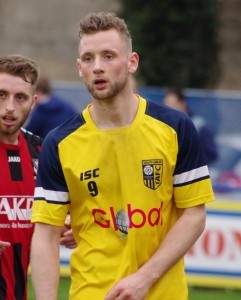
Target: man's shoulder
x=65 y=129
x=34 y=142
x=31 y=138
x=166 y=114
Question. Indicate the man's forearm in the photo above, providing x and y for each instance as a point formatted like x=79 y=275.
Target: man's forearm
x=45 y=262
x=178 y=241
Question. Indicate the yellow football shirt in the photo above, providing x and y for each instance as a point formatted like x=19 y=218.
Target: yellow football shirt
x=122 y=187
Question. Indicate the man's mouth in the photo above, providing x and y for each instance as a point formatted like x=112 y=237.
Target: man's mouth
x=100 y=83
x=8 y=120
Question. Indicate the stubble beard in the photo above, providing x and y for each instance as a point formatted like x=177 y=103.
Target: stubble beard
x=113 y=91
x=12 y=130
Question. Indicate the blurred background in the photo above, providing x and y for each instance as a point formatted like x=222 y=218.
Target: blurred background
x=194 y=45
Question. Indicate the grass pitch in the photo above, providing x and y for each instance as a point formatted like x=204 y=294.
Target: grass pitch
x=194 y=293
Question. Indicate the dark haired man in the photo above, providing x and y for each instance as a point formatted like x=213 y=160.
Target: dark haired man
x=19 y=152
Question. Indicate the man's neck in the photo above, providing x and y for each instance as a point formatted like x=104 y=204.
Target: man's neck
x=119 y=112
x=11 y=139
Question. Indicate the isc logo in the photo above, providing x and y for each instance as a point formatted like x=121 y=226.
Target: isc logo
x=89 y=174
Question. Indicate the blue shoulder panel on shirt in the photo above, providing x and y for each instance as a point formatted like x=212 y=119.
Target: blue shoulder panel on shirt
x=67 y=127
x=190 y=153
x=165 y=114
x=50 y=173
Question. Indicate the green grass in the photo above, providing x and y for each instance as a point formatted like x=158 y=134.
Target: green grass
x=213 y=294
x=194 y=293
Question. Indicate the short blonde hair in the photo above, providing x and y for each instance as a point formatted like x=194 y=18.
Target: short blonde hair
x=102 y=21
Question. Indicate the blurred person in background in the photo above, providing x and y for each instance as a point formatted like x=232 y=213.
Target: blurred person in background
x=175 y=98
x=50 y=110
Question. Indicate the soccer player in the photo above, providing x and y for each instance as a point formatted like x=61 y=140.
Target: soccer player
x=19 y=151
x=131 y=173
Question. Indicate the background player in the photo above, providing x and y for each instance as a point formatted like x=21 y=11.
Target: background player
x=19 y=151
x=175 y=98
x=133 y=175
x=50 y=108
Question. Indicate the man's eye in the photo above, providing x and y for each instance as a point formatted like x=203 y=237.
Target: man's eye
x=109 y=56
x=87 y=58
x=20 y=98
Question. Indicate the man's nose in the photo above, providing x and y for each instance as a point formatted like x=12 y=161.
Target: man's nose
x=98 y=66
x=10 y=106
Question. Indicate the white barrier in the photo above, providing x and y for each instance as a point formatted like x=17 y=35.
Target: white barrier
x=215 y=259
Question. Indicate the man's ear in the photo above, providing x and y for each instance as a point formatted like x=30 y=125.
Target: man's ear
x=34 y=100
x=133 y=62
x=79 y=68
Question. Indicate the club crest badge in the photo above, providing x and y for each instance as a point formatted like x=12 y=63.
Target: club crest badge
x=152 y=173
